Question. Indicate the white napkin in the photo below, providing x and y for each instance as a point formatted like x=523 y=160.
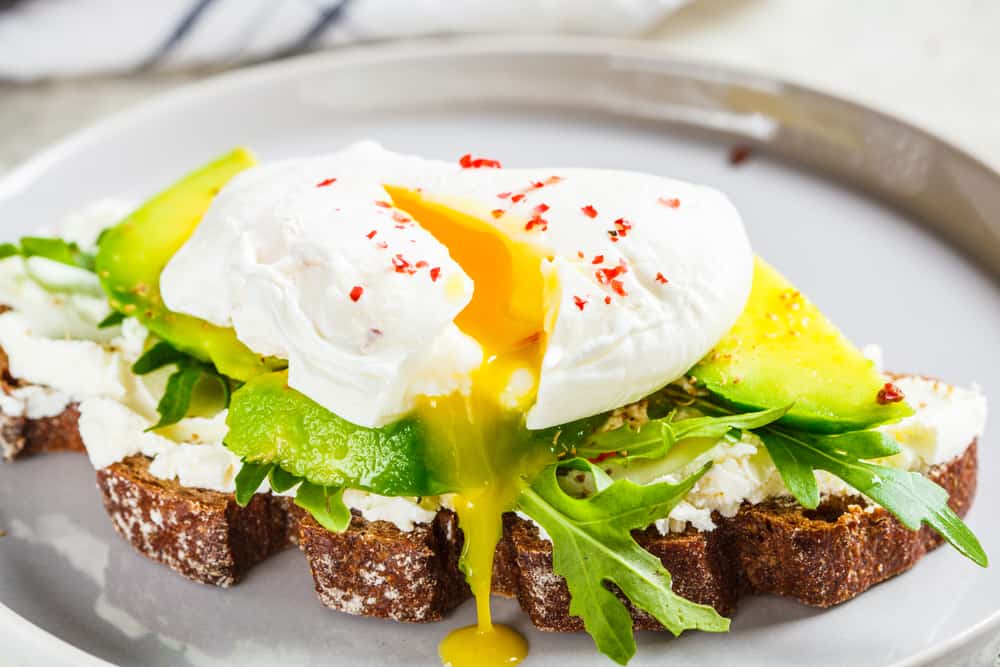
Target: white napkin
x=49 y=38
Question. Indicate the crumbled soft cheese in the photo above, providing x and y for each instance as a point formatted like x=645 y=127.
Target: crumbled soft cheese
x=404 y=512
x=112 y=432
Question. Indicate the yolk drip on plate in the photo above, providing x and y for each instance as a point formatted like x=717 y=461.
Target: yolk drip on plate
x=479 y=439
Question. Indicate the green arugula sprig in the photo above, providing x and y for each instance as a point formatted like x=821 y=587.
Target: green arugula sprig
x=57 y=250
x=593 y=549
x=176 y=400
x=909 y=496
x=655 y=438
x=325 y=503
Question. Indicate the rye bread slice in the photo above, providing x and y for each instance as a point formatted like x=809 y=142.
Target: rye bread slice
x=820 y=557
x=203 y=535
x=20 y=436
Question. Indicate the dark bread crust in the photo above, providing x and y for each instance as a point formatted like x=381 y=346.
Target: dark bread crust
x=375 y=569
x=203 y=535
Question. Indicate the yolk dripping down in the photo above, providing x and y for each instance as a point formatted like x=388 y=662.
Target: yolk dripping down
x=479 y=439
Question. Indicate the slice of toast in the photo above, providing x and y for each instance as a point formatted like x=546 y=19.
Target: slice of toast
x=819 y=557
x=203 y=535
x=21 y=436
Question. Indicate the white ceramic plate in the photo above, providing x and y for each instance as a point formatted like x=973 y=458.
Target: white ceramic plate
x=871 y=266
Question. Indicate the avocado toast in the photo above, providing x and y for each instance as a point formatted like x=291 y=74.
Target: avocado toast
x=780 y=395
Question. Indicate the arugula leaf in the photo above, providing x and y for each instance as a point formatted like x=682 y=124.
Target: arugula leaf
x=869 y=444
x=593 y=547
x=281 y=480
x=326 y=504
x=160 y=355
x=909 y=496
x=113 y=319
x=176 y=399
x=57 y=250
x=655 y=438
x=249 y=479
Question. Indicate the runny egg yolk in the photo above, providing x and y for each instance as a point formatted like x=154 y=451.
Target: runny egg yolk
x=478 y=439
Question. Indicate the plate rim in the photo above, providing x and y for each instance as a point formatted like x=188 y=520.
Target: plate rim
x=23 y=174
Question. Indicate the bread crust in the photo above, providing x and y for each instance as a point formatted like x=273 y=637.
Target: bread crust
x=203 y=535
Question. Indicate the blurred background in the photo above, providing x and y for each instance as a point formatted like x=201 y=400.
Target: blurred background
x=64 y=63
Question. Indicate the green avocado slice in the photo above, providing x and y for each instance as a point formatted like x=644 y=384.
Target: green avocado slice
x=783 y=351
x=269 y=422
x=132 y=254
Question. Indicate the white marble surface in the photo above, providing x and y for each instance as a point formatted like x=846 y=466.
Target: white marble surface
x=934 y=64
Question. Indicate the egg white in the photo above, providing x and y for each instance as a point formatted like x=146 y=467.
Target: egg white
x=277 y=258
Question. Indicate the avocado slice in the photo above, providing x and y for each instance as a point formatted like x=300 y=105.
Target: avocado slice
x=269 y=422
x=782 y=351
x=131 y=255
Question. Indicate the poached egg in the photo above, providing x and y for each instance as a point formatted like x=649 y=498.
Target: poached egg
x=388 y=281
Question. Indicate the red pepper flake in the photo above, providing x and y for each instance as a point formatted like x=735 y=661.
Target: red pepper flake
x=516 y=198
x=660 y=278
x=605 y=276
x=589 y=211
x=325 y=182
x=537 y=185
x=738 y=154
x=371 y=234
x=890 y=393
x=421 y=264
x=356 y=292
x=383 y=203
x=381 y=245
x=618 y=287
x=598 y=259
x=497 y=212
x=402 y=266
x=435 y=273
x=579 y=253
x=400 y=218
x=603 y=457
x=469 y=162
x=580 y=303
x=673 y=202
x=503 y=195
x=552 y=180
x=541 y=208
x=623 y=227
x=537 y=221
x=607 y=300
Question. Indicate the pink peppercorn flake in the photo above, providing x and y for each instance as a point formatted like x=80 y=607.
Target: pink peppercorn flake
x=383 y=203
x=371 y=234
x=325 y=182
x=541 y=208
x=671 y=202
x=516 y=198
x=435 y=273
x=356 y=292
x=589 y=211
x=607 y=300
x=660 y=278
x=504 y=195
x=598 y=259
x=580 y=303
x=469 y=162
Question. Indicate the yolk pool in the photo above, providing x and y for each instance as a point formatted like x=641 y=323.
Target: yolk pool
x=479 y=439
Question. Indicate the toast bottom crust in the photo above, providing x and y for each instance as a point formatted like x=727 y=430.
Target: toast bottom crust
x=203 y=535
